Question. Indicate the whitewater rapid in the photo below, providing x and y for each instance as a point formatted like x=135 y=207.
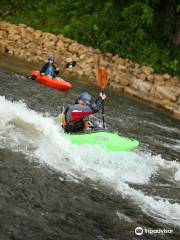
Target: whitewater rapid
x=40 y=137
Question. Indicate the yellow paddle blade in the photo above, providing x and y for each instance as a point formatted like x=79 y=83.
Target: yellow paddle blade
x=102 y=77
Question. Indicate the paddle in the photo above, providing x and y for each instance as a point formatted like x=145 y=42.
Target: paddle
x=102 y=79
x=70 y=64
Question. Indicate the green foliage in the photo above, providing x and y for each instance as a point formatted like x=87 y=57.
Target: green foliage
x=141 y=30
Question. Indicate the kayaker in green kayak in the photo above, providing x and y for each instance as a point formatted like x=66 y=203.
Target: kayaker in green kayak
x=75 y=117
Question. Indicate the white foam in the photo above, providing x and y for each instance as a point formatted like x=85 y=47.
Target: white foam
x=41 y=137
x=175 y=146
x=162 y=210
x=122 y=216
x=177 y=176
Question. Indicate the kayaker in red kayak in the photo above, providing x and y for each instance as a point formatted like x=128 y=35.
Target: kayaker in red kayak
x=74 y=118
x=50 y=68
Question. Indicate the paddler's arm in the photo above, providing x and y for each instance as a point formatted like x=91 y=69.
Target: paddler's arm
x=43 y=70
x=95 y=107
x=56 y=69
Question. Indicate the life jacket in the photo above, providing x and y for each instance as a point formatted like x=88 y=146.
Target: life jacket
x=63 y=120
x=64 y=123
x=86 y=124
x=50 y=70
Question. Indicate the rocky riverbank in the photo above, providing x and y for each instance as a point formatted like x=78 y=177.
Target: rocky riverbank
x=140 y=81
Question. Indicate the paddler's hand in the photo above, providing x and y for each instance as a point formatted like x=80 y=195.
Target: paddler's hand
x=102 y=95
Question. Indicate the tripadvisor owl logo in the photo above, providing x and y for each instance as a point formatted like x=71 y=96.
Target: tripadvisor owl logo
x=138 y=230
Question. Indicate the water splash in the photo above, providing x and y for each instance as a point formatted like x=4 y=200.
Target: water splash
x=41 y=137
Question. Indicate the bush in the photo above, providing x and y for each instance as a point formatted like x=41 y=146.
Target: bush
x=143 y=31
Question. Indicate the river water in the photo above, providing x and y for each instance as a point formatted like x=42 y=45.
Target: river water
x=51 y=189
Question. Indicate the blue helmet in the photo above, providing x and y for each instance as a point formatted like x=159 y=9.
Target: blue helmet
x=85 y=96
x=51 y=58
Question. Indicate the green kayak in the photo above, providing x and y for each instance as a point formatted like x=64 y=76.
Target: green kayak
x=109 y=140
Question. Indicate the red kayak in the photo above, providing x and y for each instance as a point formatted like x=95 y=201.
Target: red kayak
x=53 y=83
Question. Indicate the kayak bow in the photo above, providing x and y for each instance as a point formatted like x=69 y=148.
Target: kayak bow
x=111 y=141
x=53 y=83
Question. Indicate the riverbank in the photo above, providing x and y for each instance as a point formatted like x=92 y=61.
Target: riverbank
x=125 y=76
x=47 y=182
